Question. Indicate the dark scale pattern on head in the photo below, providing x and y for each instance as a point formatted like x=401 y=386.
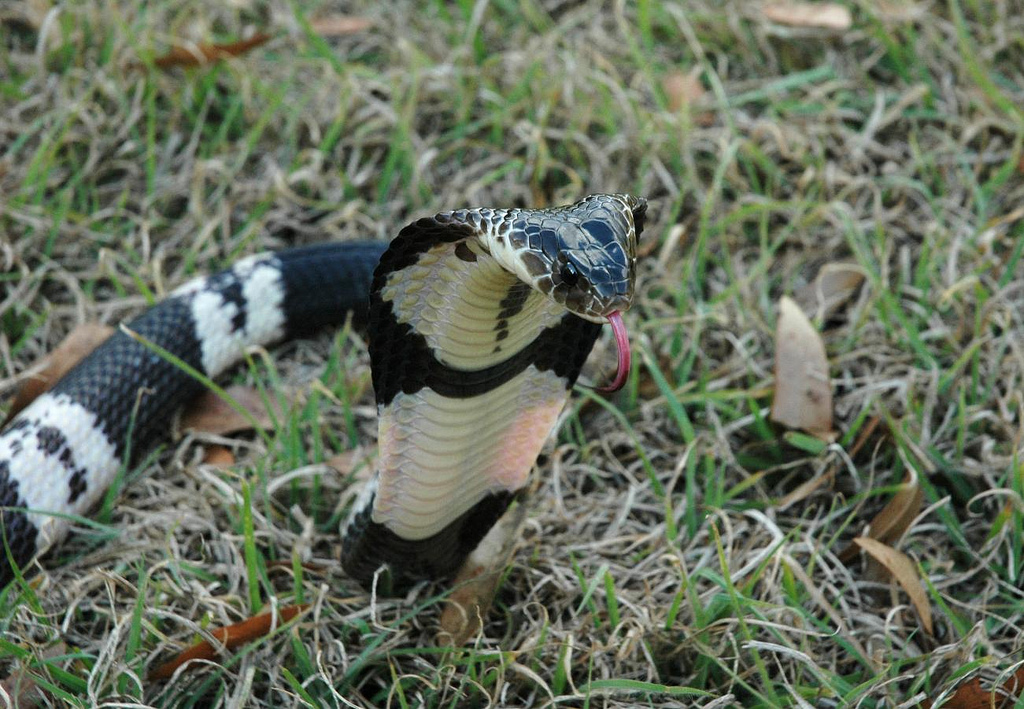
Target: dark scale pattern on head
x=600 y=231
x=436 y=557
x=582 y=255
x=544 y=240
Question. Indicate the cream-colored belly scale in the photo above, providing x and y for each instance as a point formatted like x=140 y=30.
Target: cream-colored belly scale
x=439 y=456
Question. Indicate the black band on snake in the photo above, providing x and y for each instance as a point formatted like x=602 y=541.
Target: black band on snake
x=478 y=320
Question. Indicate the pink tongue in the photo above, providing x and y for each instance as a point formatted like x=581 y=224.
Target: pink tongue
x=622 y=343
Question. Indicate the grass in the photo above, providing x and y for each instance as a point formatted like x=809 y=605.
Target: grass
x=657 y=567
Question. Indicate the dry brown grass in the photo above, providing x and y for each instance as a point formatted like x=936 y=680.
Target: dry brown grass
x=656 y=557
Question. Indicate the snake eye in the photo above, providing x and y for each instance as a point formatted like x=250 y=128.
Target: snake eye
x=570 y=276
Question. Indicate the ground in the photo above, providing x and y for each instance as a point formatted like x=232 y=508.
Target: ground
x=679 y=549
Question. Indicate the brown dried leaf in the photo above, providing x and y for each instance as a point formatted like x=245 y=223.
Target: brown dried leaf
x=683 y=89
x=823 y=15
x=904 y=570
x=21 y=687
x=357 y=462
x=211 y=414
x=803 y=391
x=971 y=695
x=80 y=342
x=199 y=54
x=835 y=284
x=220 y=456
x=345 y=462
x=340 y=25
x=477 y=580
x=892 y=520
x=467 y=604
x=968 y=695
x=866 y=434
x=806 y=489
x=231 y=637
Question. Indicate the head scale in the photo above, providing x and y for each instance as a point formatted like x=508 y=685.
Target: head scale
x=584 y=255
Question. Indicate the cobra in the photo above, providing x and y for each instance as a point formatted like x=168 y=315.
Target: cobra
x=478 y=322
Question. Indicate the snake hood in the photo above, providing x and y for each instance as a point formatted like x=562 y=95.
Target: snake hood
x=481 y=320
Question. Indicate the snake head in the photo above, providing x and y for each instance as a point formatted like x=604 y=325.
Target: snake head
x=583 y=256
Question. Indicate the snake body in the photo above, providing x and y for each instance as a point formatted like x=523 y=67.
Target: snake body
x=479 y=321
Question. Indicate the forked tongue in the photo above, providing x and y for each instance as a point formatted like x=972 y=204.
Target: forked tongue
x=622 y=345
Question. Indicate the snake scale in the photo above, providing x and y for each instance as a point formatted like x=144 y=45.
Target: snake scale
x=478 y=322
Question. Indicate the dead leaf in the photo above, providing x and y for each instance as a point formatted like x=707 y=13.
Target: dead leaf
x=892 y=520
x=834 y=285
x=477 y=581
x=340 y=25
x=466 y=606
x=231 y=637
x=865 y=435
x=210 y=414
x=683 y=89
x=904 y=570
x=806 y=489
x=344 y=463
x=21 y=687
x=221 y=456
x=893 y=12
x=971 y=695
x=199 y=54
x=822 y=15
x=803 y=391
x=79 y=342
